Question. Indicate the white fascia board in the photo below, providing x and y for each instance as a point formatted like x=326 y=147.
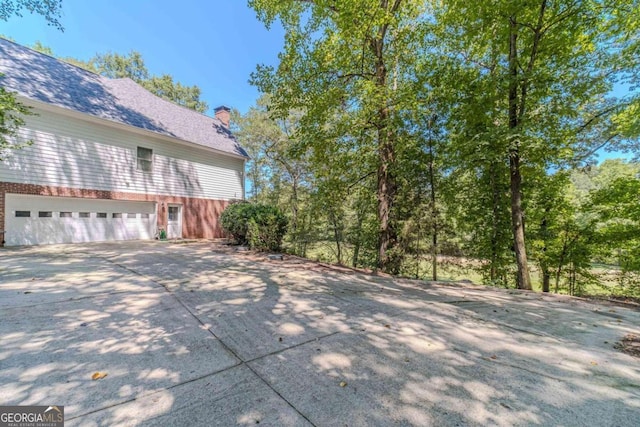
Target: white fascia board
x=110 y=123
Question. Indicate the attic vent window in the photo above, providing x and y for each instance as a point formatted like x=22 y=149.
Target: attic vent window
x=145 y=159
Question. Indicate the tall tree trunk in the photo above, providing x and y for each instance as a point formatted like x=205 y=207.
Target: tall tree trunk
x=386 y=194
x=434 y=211
x=546 y=280
x=560 y=264
x=544 y=265
x=337 y=234
x=495 y=222
x=255 y=181
x=517 y=216
x=386 y=159
x=294 y=205
x=567 y=244
x=358 y=240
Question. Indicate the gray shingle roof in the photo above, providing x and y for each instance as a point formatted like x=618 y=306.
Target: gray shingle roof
x=43 y=78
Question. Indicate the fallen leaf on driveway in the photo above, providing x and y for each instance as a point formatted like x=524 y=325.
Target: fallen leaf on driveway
x=98 y=375
x=630 y=344
x=594 y=363
x=494 y=357
x=343 y=384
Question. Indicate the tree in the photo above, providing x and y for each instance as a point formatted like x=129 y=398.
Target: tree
x=271 y=143
x=551 y=74
x=615 y=203
x=51 y=10
x=347 y=66
x=132 y=66
x=12 y=115
x=453 y=127
x=116 y=66
x=12 y=112
x=165 y=87
x=39 y=47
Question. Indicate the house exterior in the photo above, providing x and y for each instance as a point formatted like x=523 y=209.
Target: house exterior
x=109 y=160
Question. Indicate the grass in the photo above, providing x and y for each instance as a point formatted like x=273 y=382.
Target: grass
x=608 y=281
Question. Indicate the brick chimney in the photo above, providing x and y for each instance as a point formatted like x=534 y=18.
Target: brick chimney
x=223 y=113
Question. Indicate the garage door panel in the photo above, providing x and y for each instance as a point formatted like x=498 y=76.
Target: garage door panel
x=100 y=225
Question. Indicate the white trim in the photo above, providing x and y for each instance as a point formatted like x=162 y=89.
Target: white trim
x=110 y=123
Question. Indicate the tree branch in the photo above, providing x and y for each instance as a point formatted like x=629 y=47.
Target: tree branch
x=596 y=117
x=537 y=36
x=362 y=178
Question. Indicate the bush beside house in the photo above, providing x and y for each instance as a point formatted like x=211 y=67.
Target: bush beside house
x=262 y=227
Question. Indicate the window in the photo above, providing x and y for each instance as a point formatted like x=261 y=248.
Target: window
x=145 y=159
x=173 y=213
x=65 y=214
x=101 y=215
x=131 y=215
x=116 y=215
x=45 y=214
x=144 y=216
x=84 y=215
x=23 y=214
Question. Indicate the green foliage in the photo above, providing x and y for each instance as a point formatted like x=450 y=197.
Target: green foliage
x=235 y=220
x=12 y=115
x=421 y=114
x=615 y=204
x=39 y=47
x=132 y=66
x=165 y=87
x=266 y=229
x=261 y=226
x=51 y=10
x=116 y=66
x=349 y=69
x=12 y=112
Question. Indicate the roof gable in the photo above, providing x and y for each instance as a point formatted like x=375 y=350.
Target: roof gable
x=43 y=78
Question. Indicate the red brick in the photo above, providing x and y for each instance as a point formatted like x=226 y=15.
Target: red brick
x=199 y=216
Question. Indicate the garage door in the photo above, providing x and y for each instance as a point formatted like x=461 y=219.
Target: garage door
x=37 y=220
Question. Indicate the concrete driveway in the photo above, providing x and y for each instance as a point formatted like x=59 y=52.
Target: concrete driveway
x=193 y=335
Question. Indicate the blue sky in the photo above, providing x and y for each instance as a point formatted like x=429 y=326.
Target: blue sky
x=212 y=44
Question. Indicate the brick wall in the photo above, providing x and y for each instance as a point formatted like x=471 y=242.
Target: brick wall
x=199 y=216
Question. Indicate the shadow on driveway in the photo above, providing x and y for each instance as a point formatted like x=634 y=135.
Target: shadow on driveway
x=194 y=335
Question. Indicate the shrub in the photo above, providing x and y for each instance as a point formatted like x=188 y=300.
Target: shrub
x=235 y=220
x=261 y=226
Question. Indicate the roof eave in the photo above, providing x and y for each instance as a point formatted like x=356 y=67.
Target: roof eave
x=117 y=125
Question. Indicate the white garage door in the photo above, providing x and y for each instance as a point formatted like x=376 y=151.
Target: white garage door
x=37 y=220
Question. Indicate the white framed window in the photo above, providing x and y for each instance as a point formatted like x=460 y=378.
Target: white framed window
x=101 y=215
x=173 y=213
x=23 y=214
x=65 y=215
x=144 y=159
x=84 y=215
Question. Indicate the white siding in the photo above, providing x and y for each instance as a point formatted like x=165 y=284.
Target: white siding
x=69 y=152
